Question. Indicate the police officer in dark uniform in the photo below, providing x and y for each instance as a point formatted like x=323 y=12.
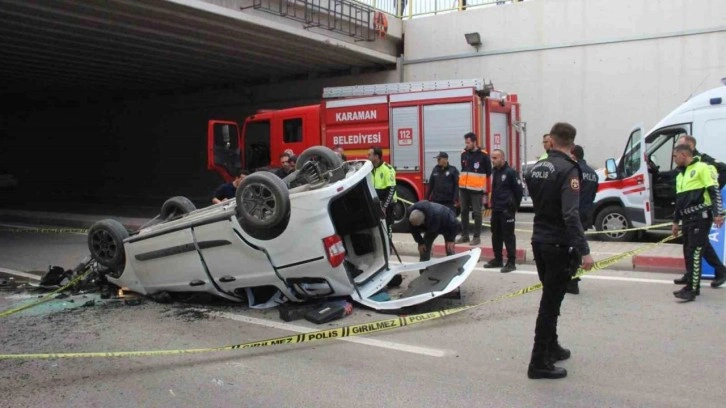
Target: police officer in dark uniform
x=432 y=219
x=506 y=198
x=558 y=244
x=443 y=186
x=588 y=190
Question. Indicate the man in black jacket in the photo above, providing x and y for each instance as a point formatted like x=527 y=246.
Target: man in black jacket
x=588 y=190
x=443 y=186
x=506 y=198
x=558 y=244
x=432 y=219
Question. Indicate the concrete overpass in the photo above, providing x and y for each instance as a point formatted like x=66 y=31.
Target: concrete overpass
x=73 y=47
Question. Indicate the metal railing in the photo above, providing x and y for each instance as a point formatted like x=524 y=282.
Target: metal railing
x=407 y=9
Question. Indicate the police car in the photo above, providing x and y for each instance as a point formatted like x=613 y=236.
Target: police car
x=317 y=233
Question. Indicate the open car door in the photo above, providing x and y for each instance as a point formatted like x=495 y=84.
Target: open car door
x=223 y=148
x=438 y=277
x=635 y=183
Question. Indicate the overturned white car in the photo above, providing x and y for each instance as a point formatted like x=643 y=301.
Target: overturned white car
x=317 y=233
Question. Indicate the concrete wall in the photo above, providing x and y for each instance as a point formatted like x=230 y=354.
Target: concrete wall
x=136 y=150
x=601 y=65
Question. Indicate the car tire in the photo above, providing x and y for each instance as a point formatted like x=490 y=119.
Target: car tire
x=400 y=209
x=328 y=158
x=263 y=202
x=613 y=217
x=176 y=206
x=106 y=243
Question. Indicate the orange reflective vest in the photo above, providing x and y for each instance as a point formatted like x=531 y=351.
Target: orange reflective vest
x=475 y=167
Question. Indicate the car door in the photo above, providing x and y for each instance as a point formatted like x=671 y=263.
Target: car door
x=438 y=277
x=635 y=184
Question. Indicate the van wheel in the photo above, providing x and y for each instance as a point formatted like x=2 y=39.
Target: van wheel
x=175 y=207
x=613 y=218
x=263 y=202
x=400 y=215
x=106 y=243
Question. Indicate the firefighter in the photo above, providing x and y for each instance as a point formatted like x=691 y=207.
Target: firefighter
x=443 y=186
x=506 y=198
x=475 y=168
x=547 y=144
x=587 y=198
x=709 y=253
x=558 y=244
x=384 y=181
x=698 y=205
x=432 y=219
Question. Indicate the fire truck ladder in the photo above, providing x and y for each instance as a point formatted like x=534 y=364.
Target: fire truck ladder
x=402 y=87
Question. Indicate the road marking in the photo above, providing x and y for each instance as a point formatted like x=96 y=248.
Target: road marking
x=599 y=277
x=431 y=352
x=20 y=274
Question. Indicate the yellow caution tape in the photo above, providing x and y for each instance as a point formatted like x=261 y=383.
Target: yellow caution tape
x=46 y=297
x=337 y=333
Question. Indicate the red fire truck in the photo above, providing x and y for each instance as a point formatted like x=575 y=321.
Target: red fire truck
x=412 y=122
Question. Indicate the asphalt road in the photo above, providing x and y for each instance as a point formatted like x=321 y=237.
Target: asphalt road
x=633 y=345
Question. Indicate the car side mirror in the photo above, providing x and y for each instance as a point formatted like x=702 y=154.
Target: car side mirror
x=611 y=169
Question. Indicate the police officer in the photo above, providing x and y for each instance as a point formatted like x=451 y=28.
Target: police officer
x=587 y=198
x=698 y=205
x=546 y=144
x=506 y=198
x=558 y=244
x=384 y=181
x=475 y=168
x=443 y=186
x=709 y=253
x=432 y=219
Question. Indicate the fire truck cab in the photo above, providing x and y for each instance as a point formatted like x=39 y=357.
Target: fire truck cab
x=410 y=121
x=639 y=189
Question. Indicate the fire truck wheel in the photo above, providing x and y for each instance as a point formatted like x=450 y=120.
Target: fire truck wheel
x=176 y=206
x=263 y=202
x=400 y=215
x=328 y=159
x=613 y=218
x=106 y=243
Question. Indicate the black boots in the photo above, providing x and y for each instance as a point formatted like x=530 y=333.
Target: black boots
x=683 y=280
x=687 y=294
x=718 y=281
x=558 y=353
x=509 y=267
x=494 y=263
x=541 y=365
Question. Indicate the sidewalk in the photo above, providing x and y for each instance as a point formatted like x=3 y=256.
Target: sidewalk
x=662 y=258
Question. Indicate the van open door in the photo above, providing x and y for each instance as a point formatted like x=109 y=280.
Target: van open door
x=627 y=192
x=223 y=148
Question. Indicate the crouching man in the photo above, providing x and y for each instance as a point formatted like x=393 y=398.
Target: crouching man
x=432 y=219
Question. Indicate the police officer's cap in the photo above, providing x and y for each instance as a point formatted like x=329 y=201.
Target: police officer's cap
x=442 y=155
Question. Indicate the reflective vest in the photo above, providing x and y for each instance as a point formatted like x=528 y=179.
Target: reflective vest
x=544 y=156
x=384 y=179
x=475 y=167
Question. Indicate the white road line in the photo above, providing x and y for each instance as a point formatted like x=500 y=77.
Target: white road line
x=21 y=274
x=601 y=277
x=431 y=352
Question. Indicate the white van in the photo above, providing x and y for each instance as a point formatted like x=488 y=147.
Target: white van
x=639 y=189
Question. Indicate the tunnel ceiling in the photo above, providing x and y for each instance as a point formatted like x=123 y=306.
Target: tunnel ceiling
x=114 y=46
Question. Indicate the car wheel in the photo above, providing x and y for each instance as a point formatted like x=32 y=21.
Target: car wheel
x=175 y=207
x=326 y=158
x=106 y=243
x=400 y=215
x=613 y=218
x=263 y=202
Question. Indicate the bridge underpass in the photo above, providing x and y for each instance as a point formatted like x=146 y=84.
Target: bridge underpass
x=105 y=94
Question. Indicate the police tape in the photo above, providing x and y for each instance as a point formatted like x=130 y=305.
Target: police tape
x=46 y=297
x=46 y=230
x=336 y=333
x=487 y=212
